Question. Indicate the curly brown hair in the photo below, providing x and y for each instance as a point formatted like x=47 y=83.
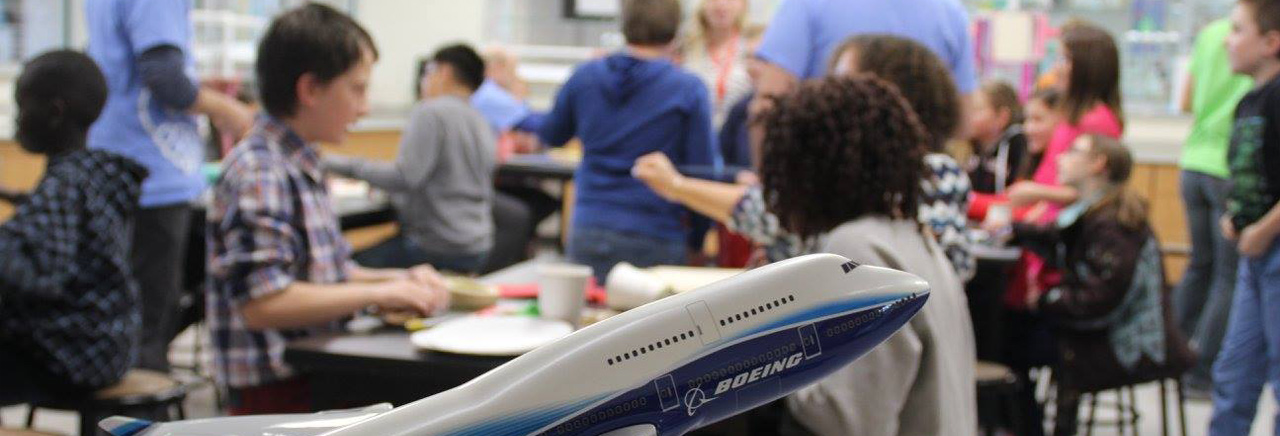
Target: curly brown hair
x=840 y=148
x=918 y=73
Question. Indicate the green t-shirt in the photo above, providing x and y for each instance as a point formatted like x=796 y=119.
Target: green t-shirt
x=1215 y=94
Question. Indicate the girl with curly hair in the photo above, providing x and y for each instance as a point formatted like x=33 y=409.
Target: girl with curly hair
x=841 y=166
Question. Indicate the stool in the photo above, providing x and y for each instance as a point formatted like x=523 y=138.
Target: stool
x=1128 y=414
x=998 y=385
x=141 y=391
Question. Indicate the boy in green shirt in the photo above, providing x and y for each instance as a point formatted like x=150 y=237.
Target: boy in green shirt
x=1202 y=300
x=1252 y=344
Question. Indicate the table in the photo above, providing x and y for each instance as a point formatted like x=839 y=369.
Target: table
x=539 y=166
x=349 y=370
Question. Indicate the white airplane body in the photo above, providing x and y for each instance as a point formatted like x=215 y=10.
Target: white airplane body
x=664 y=368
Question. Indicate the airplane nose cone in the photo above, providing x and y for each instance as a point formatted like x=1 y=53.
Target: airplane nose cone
x=906 y=282
x=890 y=282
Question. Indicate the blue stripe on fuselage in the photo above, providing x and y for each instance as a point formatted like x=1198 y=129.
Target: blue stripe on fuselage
x=844 y=338
x=528 y=422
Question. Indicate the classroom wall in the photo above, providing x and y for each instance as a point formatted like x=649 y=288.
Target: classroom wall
x=406 y=30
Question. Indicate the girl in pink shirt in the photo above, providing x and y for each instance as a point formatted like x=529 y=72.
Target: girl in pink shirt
x=1090 y=73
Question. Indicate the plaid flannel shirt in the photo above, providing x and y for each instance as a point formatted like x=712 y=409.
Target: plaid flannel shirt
x=271 y=224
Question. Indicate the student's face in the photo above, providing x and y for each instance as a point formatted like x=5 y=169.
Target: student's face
x=434 y=79
x=723 y=14
x=985 y=121
x=342 y=102
x=1041 y=120
x=1077 y=164
x=1247 y=46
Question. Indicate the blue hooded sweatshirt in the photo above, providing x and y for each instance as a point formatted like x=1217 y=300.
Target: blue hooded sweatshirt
x=621 y=108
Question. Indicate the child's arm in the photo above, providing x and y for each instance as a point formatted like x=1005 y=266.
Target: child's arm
x=1257 y=238
x=303 y=304
x=416 y=160
x=1023 y=194
x=713 y=199
x=38 y=245
x=560 y=125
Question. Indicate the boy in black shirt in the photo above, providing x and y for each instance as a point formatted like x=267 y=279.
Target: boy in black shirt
x=1248 y=358
x=69 y=317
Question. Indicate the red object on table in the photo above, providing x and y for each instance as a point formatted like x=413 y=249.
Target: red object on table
x=595 y=292
x=735 y=249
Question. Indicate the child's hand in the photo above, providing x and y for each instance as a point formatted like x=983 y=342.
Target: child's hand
x=1024 y=194
x=1254 y=241
x=657 y=171
x=427 y=275
x=404 y=294
x=1033 y=295
x=1228 y=228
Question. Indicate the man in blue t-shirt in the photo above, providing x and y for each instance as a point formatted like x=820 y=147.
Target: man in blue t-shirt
x=144 y=50
x=803 y=33
x=621 y=107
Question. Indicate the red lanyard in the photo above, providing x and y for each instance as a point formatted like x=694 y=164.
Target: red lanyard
x=723 y=62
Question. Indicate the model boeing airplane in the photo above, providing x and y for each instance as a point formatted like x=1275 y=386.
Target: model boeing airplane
x=664 y=368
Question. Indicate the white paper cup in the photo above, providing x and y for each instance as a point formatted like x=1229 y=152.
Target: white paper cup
x=563 y=291
x=1000 y=214
x=629 y=287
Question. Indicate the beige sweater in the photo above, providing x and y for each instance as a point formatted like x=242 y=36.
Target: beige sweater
x=920 y=381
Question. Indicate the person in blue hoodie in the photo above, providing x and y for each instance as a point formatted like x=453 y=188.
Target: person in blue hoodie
x=621 y=107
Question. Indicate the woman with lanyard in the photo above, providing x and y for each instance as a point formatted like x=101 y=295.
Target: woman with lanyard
x=717 y=53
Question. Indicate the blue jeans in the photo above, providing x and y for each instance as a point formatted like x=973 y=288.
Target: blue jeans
x=601 y=249
x=1250 y=353
x=1202 y=301
x=402 y=252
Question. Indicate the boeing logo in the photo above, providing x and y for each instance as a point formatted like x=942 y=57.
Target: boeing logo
x=758 y=373
x=694 y=399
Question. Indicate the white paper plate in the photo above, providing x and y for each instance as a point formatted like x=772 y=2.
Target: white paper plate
x=491 y=335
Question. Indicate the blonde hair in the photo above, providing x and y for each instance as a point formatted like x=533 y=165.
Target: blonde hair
x=698 y=33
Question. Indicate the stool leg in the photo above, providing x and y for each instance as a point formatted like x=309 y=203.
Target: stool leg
x=1164 y=409
x=1121 y=422
x=31 y=415
x=1093 y=408
x=1133 y=407
x=88 y=423
x=1182 y=407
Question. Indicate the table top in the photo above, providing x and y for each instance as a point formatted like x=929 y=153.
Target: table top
x=983 y=252
x=391 y=349
x=537 y=165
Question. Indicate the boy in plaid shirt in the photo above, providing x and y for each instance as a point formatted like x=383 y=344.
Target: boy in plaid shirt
x=279 y=267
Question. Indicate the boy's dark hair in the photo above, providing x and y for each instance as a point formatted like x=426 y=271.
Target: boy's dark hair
x=1266 y=13
x=59 y=95
x=918 y=73
x=467 y=65
x=651 y=22
x=852 y=138
x=314 y=39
